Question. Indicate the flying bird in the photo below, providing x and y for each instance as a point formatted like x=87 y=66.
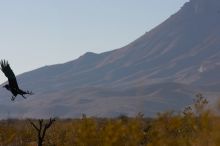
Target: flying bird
x=12 y=85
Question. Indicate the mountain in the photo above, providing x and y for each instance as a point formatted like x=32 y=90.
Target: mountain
x=161 y=70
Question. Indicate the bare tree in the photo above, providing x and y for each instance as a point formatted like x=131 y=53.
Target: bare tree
x=42 y=128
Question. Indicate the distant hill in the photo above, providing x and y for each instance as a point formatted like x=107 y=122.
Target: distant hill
x=161 y=70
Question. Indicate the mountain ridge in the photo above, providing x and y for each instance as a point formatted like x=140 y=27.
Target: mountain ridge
x=161 y=70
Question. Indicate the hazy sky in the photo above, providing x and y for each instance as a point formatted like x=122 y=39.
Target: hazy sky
x=34 y=33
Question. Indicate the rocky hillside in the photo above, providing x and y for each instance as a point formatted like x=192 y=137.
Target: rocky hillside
x=161 y=70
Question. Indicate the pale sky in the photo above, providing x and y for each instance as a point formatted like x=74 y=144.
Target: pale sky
x=35 y=33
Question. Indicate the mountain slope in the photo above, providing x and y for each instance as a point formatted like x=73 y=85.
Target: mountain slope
x=161 y=70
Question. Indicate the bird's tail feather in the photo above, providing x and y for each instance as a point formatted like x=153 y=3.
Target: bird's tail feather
x=26 y=92
x=29 y=92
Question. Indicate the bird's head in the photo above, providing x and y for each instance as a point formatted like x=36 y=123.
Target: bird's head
x=6 y=86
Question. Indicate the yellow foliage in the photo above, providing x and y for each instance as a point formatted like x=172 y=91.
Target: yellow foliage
x=195 y=126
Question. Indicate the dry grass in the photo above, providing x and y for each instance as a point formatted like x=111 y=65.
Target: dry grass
x=195 y=126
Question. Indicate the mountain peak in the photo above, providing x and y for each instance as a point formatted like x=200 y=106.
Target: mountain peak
x=204 y=6
x=89 y=53
x=161 y=70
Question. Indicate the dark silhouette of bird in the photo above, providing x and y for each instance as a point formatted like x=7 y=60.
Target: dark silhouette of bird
x=12 y=82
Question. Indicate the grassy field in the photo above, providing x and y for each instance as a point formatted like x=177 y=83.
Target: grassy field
x=196 y=125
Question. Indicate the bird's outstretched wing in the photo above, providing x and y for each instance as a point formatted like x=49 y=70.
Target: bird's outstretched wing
x=6 y=69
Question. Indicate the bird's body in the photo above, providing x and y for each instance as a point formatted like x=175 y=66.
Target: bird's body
x=12 y=82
